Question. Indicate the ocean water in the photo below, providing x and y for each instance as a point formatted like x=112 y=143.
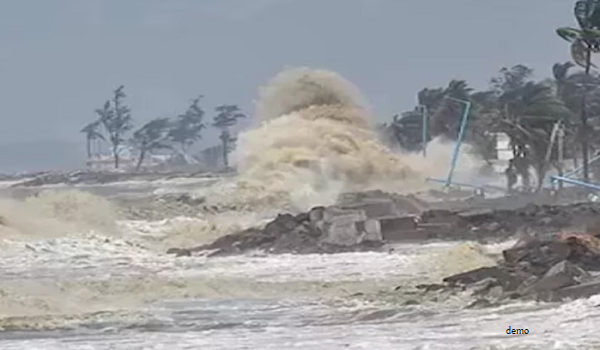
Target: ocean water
x=87 y=289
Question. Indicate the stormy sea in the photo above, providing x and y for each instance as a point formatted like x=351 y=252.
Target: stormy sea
x=85 y=266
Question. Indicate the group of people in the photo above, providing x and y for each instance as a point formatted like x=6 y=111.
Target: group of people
x=517 y=167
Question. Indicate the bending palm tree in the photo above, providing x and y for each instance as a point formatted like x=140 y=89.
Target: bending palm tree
x=92 y=133
x=584 y=41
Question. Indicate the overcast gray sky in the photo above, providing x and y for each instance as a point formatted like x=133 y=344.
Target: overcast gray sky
x=60 y=59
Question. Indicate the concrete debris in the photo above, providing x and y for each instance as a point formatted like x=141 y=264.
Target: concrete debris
x=372 y=220
x=550 y=269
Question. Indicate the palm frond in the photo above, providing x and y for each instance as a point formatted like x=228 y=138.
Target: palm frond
x=569 y=34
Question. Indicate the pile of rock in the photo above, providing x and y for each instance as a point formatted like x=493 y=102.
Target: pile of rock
x=483 y=224
x=369 y=221
x=548 y=269
x=362 y=224
x=321 y=230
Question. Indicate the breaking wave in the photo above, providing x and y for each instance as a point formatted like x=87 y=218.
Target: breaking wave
x=55 y=213
x=313 y=140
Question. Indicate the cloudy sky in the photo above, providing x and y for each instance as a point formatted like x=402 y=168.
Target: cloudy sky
x=60 y=59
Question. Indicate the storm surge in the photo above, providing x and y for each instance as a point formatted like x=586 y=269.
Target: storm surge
x=313 y=139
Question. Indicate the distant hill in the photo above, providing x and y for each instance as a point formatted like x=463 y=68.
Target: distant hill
x=41 y=155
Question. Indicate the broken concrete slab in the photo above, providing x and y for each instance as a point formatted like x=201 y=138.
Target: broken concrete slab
x=398 y=223
x=509 y=280
x=476 y=216
x=583 y=290
x=483 y=286
x=439 y=216
x=370 y=229
x=341 y=216
x=563 y=274
x=342 y=234
x=406 y=236
x=374 y=207
x=540 y=254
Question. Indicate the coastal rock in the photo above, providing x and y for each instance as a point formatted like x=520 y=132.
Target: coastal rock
x=178 y=252
x=369 y=221
x=583 y=290
x=504 y=277
x=546 y=269
x=563 y=274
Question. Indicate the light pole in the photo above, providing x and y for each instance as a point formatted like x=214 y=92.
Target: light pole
x=461 y=134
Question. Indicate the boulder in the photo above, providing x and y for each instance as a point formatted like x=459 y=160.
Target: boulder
x=583 y=290
x=484 y=286
x=178 y=252
x=542 y=254
x=504 y=277
x=563 y=274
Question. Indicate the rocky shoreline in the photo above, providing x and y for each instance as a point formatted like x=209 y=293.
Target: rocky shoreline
x=559 y=267
x=371 y=223
x=549 y=262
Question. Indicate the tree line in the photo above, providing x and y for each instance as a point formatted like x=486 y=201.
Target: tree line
x=525 y=109
x=114 y=123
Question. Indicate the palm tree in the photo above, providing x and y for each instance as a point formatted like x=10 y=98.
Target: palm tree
x=154 y=135
x=445 y=115
x=528 y=114
x=187 y=127
x=92 y=133
x=584 y=40
x=117 y=120
x=560 y=72
x=227 y=116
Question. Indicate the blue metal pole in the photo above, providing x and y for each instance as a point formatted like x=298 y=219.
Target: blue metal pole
x=464 y=184
x=575 y=171
x=461 y=134
x=576 y=182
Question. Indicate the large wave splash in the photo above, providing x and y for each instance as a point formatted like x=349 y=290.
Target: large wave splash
x=313 y=140
x=54 y=213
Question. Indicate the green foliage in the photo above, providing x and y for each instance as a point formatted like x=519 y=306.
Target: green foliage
x=117 y=121
x=92 y=131
x=584 y=41
x=227 y=116
x=153 y=136
x=524 y=109
x=587 y=13
x=187 y=127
